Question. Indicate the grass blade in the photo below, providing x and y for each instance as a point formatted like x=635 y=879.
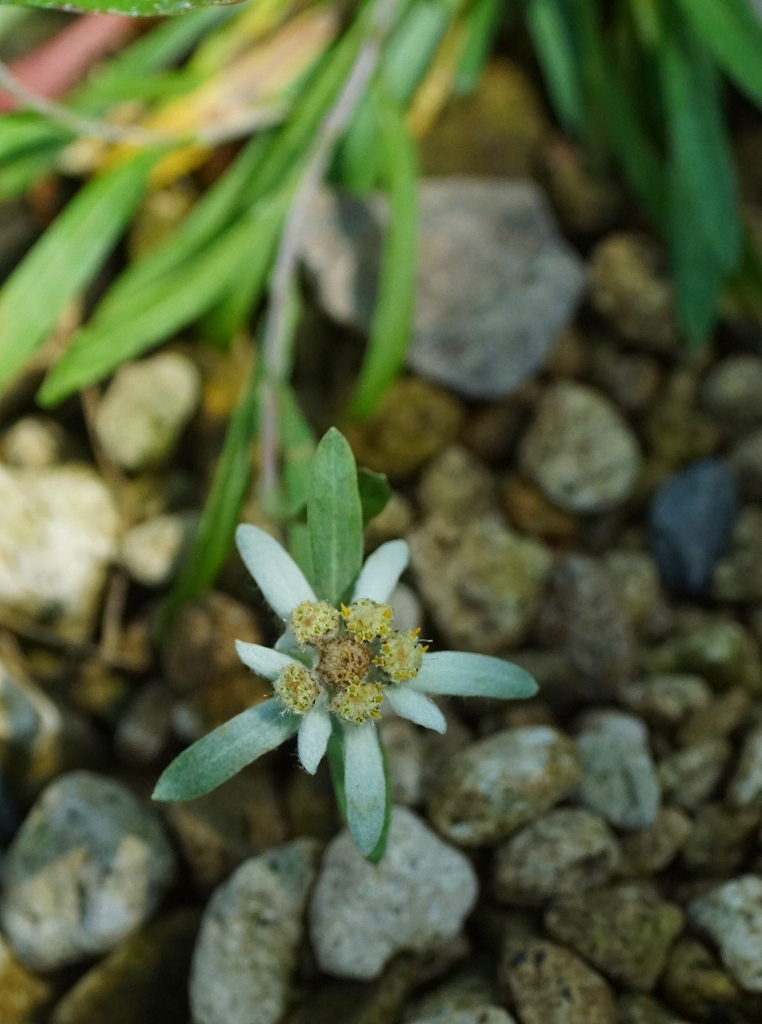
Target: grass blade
x=61 y=264
x=554 y=42
x=393 y=313
x=732 y=33
x=482 y=26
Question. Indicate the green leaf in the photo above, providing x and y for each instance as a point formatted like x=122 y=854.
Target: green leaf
x=23 y=132
x=170 y=303
x=554 y=41
x=64 y=260
x=334 y=517
x=222 y=510
x=23 y=171
x=374 y=492
x=225 y=751
x=336 y=766
x=298 y=444
x=482 y=25
x=299 y=548
x=732 y=33
x=377 y=853
x=132 y=8
x=393 y=313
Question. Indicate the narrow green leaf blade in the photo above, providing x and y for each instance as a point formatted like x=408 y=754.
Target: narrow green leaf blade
x=298 y=443
x=375 y=492
x=225 y=751
x=393 y=313
x=732 y=33
x=554 y=42
x=131 y=8
x=61 y=264
x=481 y=28
x=334 y=517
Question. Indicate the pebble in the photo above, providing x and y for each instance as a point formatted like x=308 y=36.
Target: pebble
x=414 y=421
x=724 y=715
x=731 y=914
x=618 y=779
x=415 y=899
x=145 y=979
x=467 y=991
x=626 y=931
x=531 y=513
x=723 y=652
x=455 y=485
x=145 y=409
x=495 y=786
x=218 y=832
x=690 y=776
x=691 y=517
x=651 y=850
x=88 y=866
x=635 y=577
x=631 y=379
x=477 y=1015
x=584 y=616
x=33 y=442
x=251 y=932
x=668 y=700
x=732 y=391
x=496 y=284
x=550 y=985
x=481 y=581
x=566 y=851
x=720 y=839
x=745 y=459
x=738 y=576
x=629 y=287
x=58 y=532
x=22 y=995
x=405 y=754
x=645 y=1010
x=696 y=985
x=580 y=451
x=150 y=550
x=745 y=788
x=144 y=729
x=675 y=431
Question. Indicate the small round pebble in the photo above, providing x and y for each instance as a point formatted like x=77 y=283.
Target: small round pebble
x=731 y=914
x=415 y=899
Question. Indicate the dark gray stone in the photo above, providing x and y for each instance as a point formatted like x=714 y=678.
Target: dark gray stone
x=691 y=518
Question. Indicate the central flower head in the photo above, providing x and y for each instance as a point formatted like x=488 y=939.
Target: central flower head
x=343 y=661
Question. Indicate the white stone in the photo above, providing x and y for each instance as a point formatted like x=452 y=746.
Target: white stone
x=33 y=442
x=145 y=408
x=732 y=915
x=59 y=529
x=150 y=550
x=745 y=789
x=415 y=899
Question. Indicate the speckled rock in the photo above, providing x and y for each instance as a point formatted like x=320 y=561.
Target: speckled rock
x=667 y=700
x=144 y=730
x=688 y=777
x=731 y=915
x=415 y=899
x=722 y=652
x=745 y=788
x=532 y=513
x=626 y=931
x=33 y=442
x=150 y=550
x=145 y=979
x=738 y=576
x=481 y=581
x=58 y=531
x=630 y=288
x=579 y=450
x=691 y=517
x=720 y=839
x=414 y=421
x=492 y=788
x=145 y=408
x=22 y=995
x=631 y=379
x=635 y=577
x=496 y=284
x=618 y=780
x=550 y=985
x=645 y=1010
x=88 y=866
x=651 y=850
x=583 y=614
x=250 y=935
x=457 y=486
x=466 y=992
x=732 y=391
x=725 y=714
x=566 y=851
x=696 y=985
x=745 y=459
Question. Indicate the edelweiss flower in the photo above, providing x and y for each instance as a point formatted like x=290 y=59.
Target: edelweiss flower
x=336 y=669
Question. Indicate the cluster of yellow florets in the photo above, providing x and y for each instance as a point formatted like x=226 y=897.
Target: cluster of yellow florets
x=356 y=653
x=297 y=688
